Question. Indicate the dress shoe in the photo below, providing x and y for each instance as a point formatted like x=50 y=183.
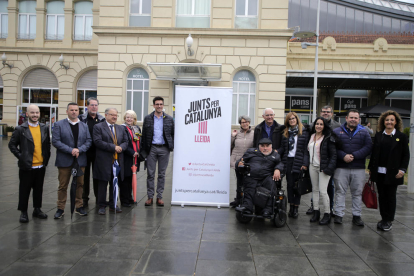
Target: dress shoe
x=295 y=213
x=148 y=202
x=234 y=203
x=24 y=218
x=386 y=226
x=316 y=216
x=338 y=220
x=125 y=204
x=357 y=221
x=266 y=214
x=101 y=211
x=310 y=210
x=290 y=214
x=39 y=214
x=59 y=213
x=243 y=209
x=332 y=213
x=116 y=210
x=81 y=211
x=160 y=202
x=326 y=219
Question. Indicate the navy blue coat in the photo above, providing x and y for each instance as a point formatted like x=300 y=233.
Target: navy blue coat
x=359 y=144
x=62 y=140
x=128 y=156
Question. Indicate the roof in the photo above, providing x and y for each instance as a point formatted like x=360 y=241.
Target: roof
x=397 y=38
x=397 y=5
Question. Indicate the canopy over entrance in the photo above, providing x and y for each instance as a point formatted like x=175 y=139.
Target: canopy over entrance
x=186 y=71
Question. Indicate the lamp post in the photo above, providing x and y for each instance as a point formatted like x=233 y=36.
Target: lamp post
x=411 y=170
x=304 y=46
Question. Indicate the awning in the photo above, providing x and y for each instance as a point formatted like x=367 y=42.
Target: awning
x=186 y=71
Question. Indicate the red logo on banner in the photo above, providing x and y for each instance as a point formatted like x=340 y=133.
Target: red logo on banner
x=202 y=127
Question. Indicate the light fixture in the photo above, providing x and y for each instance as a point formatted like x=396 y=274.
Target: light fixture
x=4 y=59
x=61 y=59
x=189 y=42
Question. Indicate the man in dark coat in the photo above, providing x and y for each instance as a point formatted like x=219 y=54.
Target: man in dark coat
x=157 y=142
x=72 y=140
x=91 y=117
x=265 y=167
x=269 y=128
x=350 y=169
x=30 y=143
x=110 y=141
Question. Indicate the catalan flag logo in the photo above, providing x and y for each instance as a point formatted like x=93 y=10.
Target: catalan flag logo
x=202 y=127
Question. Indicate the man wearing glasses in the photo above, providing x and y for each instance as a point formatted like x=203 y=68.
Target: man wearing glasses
x=91 y=117
x=269 y=128
x=157 y=141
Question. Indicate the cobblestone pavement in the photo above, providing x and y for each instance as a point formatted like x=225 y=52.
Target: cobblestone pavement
x=192 y=240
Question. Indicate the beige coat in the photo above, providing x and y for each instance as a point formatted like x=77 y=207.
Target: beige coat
x=239 y=144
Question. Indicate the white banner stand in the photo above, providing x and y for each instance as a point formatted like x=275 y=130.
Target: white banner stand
x=201 y=168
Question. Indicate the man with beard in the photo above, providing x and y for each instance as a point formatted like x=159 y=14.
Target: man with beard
x=30 y=143
x=265 y=167
x=91 y=117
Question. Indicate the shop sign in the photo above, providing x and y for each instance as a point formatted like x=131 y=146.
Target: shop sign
x=301 y=103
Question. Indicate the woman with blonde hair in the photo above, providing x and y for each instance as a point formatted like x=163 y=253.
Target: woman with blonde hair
x=295 y=157
x=388 y=164
x=131 y=156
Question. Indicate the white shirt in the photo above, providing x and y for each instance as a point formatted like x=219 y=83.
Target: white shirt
x=33 y=125
x=383 y=169
x=73 y=123
x=109 y=125
x=293 y=151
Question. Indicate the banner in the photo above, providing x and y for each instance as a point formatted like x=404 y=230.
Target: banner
x=201 y=169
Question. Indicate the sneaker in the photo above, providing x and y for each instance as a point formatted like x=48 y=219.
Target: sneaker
x=357 y=221
x=59 y=214
x=117 y=210
x=310 y=210
x=101 y=211
x=39 y=214
x=386 y=226
x=338 y=220
x=24 y=218
x=81 y=211
x=379 y=225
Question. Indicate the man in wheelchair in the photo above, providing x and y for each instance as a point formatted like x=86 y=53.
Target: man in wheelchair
x=261 y=167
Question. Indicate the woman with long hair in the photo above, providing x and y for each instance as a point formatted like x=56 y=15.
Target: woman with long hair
x=322 y=164
x=295 y=157
x=388 y=164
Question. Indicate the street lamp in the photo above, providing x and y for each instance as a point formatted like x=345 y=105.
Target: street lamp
x=304 y=46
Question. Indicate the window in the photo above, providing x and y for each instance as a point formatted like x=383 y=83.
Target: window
x=193 y=14
x=140 y=13
x=55 y=20
x=244 y=96
x=246 y=14
x=83 y=21
x=1 y=102
x=87 y=87
x=4 y=19
x=137 y=92
x=27 y=20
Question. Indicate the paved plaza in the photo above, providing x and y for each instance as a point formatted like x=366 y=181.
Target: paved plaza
x=192 y=240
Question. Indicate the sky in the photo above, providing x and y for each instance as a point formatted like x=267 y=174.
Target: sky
x=407 y=1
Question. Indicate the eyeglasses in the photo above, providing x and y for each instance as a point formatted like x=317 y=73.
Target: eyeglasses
x=269 y=115
x=291 y=119
x=245 y=122
x=324 y=111
x=113 y=115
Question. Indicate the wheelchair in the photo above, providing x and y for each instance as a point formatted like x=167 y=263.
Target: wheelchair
x=279 y=204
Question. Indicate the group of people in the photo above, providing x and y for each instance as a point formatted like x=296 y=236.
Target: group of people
x=92 y=141
x=334 y=154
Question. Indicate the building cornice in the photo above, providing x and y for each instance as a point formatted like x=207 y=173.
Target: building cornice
x=34 y=50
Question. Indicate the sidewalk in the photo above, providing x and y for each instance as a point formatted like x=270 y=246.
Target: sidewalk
x=192 y=240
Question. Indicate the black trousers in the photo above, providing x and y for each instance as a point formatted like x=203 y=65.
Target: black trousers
x=31 y=179
x=125 y=193
x=249 y=189
x=86 y=182
x=291 y=177
x=103 y=186
x=387 y=197
x=239 y=183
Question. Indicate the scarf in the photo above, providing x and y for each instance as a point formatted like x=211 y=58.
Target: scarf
x=292 y=133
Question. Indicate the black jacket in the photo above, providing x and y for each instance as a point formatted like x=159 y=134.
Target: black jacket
x=261 y=166
x=302 y=153
x=398 y=159
x=128 y=155
x=22 y=145
x=276 y=135
x=328 y=154
x=148 y=131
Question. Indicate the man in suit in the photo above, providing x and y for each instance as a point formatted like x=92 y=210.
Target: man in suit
x=30 y=144
x=91 y=117
x=71 y=139
x=158 y=142
x=110 y=141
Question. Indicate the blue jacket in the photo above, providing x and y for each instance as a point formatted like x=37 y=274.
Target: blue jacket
x=62 y=140
x=358 y=143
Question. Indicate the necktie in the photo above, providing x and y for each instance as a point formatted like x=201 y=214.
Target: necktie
x=112 y=129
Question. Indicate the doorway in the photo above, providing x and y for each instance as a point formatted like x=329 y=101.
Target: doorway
x=48 y=115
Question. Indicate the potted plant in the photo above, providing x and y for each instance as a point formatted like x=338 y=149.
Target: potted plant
x=9 y=130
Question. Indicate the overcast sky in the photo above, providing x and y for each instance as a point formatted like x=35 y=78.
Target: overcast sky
x=407 y=1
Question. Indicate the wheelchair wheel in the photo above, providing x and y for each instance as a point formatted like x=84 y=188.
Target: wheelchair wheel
x=280 y=216
x=243 y=219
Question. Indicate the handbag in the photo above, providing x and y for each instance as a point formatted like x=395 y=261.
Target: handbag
x=369 y=196
x=303 y=184
x=261 y=197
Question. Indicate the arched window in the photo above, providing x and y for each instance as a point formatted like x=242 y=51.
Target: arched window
x=4 y=18
x=55 y=25
x=244 y=95
x=83 y=20
x=87 y=87
x=27 y=20
x=137 y=92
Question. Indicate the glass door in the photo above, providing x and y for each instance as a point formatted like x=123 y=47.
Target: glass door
x=53 y=118
x=20 y=114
